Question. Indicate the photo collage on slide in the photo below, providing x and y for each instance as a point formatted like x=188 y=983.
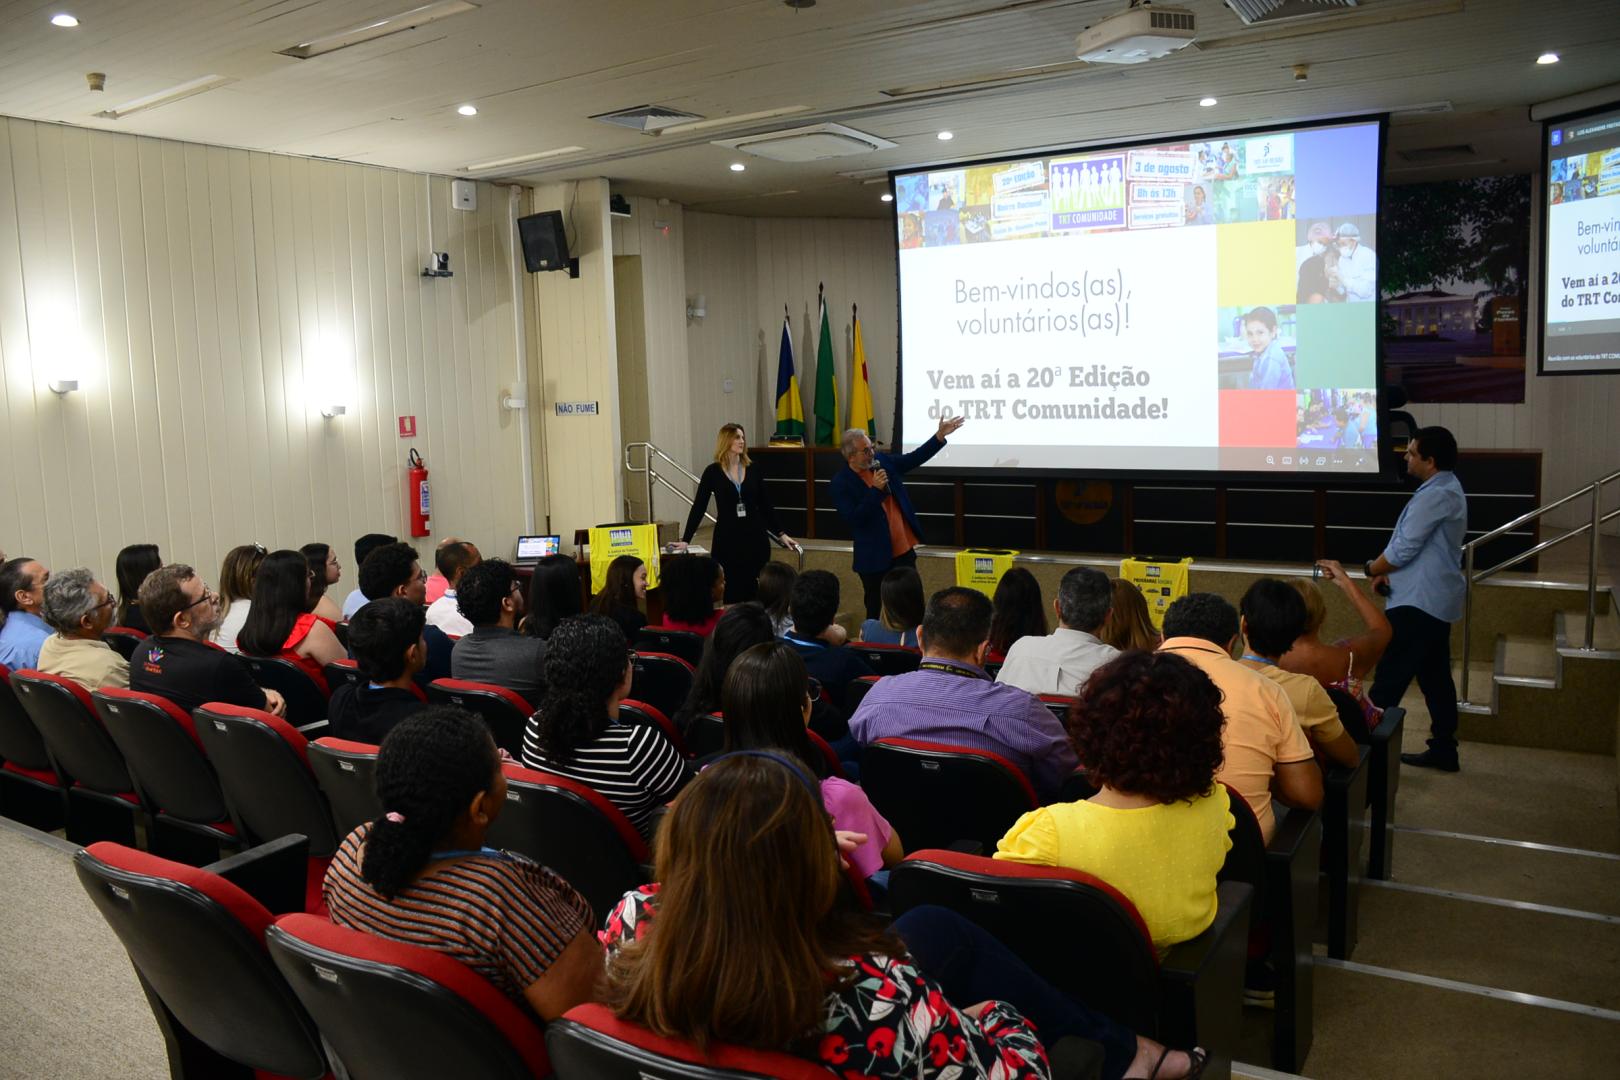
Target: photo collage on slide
x=1584 y=176
x=1295 y=216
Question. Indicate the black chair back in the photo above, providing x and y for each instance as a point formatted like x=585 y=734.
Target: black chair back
x=645 y=713
x=389 y=1009
x=574 y=830
x=347 y=774
x=662 y=681
x=21 y=747
x=263 y=767
x=504 y=711
x=937 y=795
x=1058 y=705
x=707 y=735
x=340 y=672
x=123 y=639
x=887 y=659
x=682 y=643
x=856 y=690
x=590 y=1043
x=160 y=744
x=306 y=698
x=196 y=941
x=65 y=716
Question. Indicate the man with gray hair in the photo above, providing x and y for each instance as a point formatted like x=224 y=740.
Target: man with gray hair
x=871 y=498
x=1061 y=662
x=80 y=609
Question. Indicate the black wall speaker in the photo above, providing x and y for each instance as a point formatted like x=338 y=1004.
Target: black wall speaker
x=545 y=243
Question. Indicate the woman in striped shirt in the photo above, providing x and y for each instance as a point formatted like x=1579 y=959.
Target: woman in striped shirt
x=421 y=874
x=576 y=733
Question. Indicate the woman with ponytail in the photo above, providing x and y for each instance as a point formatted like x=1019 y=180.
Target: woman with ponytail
x=576 y=733
x=422 y=875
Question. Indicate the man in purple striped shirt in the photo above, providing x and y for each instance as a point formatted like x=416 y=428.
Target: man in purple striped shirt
x=951 y=700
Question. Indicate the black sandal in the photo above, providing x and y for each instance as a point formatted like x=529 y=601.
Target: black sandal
x=1197 y=1058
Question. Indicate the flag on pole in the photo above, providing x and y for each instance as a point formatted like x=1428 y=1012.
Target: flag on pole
x=789 y=406
x=827 y=432
x=860 y=394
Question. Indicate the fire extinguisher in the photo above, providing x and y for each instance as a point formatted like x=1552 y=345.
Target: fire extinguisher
x=416 y=494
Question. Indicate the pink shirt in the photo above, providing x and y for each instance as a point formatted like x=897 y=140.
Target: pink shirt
x=852 y=811
x=436 y=584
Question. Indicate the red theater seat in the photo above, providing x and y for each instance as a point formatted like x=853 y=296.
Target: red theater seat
x=936 y=795
x=394 y=1010
x=123 y=639
x=648 y=715
x=346 y=772
x=590 y=1043
x=102 y=804
x=887 y=659
x=662 y=681
x=306 y=698
x=30 y=789
x=682 y=643
x=196 y=940
x=506 y=712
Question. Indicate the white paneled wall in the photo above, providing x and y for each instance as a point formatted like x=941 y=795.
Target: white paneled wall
x=748 y=268
x=210 y=301
x=656 y=233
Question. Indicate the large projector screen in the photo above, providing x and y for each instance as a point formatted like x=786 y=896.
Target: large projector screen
x=1206 y=304
x=1581 y=245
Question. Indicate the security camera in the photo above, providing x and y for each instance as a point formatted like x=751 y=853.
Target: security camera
x=1301 y=72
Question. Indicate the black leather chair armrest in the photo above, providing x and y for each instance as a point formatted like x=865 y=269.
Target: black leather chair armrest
x=274 y=873
x=315 y=730
x=1201 y=982
x=1389 y=726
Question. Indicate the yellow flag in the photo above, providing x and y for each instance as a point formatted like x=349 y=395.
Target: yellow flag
x=860 y=404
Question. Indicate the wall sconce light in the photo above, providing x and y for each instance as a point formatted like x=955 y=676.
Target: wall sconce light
x=517 y=398
x=63 y=386
x=334 y=409
x=697 y=307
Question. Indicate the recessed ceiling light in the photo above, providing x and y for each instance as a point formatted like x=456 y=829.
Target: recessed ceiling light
x=467 y=110
x=737 y=166
x=1547 y=58
x=886 y=197
x=64 y=19
x=1206 y=102
x=946 y=136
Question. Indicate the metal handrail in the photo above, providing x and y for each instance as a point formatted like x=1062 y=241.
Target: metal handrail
x=648 y=450
x=1592 y=529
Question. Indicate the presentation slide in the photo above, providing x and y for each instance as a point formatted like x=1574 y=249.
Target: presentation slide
x=1199 y=305
x=1581 y=257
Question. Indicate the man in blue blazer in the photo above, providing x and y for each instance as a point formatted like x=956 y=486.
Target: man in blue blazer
x=870 y=494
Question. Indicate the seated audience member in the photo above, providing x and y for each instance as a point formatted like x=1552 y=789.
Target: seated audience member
x=767 y=706
x=740 y=628
x=814 y=605
x=576 y=733
x=79 y=608
x=692 y=587
x=623 y=592
x=178 y=662
x=1148 y=727
x=420 y=873
x=951 y=700
x=1129 y=625
x=1016 y=612
x=932 y=996
x=490 y=596
x=1273 y=618
x=131 y=567
x=22 y=600
x=1263 y=744
x=901 y=592
x=237 y=573
x=553 y=595
x=1062 y=661
x=363 y=547
x=324 y=564
x=775 y=584
x=1348 y=661
x=437 y=582
x=386 y=636
x=281 y=624
x=452 y=561
x=392 y=570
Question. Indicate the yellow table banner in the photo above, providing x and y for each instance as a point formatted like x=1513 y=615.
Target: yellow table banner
x=981 y=568
x=608 y=542
x=1162 y=583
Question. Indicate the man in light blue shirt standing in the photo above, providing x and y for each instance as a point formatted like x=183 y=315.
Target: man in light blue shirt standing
x=1422 y=569
x=22 y=595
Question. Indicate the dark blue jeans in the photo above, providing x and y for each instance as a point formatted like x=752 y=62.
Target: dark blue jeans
x=971 y=966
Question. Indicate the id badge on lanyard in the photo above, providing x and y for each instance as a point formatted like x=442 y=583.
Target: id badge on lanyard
x=742 y=511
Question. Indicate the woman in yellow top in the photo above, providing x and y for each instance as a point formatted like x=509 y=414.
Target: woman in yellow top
x=1147 y=727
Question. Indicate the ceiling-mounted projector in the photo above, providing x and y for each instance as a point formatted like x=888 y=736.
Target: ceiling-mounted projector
x=1141 y=32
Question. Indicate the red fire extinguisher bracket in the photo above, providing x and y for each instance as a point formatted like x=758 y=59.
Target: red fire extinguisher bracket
x=418 y=504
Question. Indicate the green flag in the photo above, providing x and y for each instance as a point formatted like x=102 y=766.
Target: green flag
x=827 y=430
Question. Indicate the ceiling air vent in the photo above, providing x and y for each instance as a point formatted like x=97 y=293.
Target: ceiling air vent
x=647 y=119
x=811 y=143
x=1268 y=11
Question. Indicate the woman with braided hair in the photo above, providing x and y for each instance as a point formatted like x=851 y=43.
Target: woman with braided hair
x=421 y=874
x=576 y=733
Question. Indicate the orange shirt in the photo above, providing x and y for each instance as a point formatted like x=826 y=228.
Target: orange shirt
x=901 y=538
x=1261 y=730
